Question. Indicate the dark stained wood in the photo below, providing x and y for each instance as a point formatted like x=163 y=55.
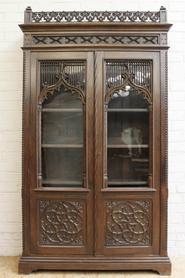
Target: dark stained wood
x=85 y=212
x=102 y=26
x=98 y=16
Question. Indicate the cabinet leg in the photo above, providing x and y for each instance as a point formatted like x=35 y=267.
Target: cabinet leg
x=163 y=269
x=25 y=268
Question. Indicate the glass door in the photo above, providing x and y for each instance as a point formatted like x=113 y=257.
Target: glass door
x=127 y=178
x=62 y=110
x=63 y=124
x=128 y=102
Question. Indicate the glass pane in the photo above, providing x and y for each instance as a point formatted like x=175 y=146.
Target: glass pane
x=62 y=166
x=63 y=99
x=127 y=125
x=62 y=125
x=121 y=99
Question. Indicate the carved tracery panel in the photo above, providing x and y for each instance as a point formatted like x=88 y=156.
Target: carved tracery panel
x=55 y=74
x=61 y=222
x=134 y=73
x=95 y=39
x=128 y=223
x=94 y=16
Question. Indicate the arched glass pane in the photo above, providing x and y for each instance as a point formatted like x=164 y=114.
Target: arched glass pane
x=62 y=118
x=62 y=128
x=128 y=126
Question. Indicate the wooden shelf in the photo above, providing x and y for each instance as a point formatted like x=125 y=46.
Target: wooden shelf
x=114 y=182
x=62 y=189
x=126 y=146
x=62 y=182
x=128 y=189
x=62 y=110
x=62 y=146
x=127 y=110
x=140 y=160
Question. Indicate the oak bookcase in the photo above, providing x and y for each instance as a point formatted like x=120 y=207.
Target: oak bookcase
x=95 y=141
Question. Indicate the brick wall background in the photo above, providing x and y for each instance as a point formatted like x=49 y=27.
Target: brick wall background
x=11 y=13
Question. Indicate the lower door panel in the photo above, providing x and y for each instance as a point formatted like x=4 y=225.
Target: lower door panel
x=130 y=225
x=62 y=224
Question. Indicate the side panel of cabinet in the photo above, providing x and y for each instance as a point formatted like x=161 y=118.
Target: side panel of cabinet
x=26 y=153
x=61 y=211
x=127 y=210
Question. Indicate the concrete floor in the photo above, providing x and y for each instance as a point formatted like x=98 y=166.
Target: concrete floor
x=8 y=269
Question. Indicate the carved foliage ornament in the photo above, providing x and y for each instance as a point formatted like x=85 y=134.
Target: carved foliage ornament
x=127 y=79
x=128 y=223
x=61 y=222
x=93 y=16
x=62 y=81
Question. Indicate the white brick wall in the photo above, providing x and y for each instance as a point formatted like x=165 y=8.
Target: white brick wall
x=11 y=13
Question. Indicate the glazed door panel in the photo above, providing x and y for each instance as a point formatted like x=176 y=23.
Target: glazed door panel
x=62 y=157
x=127 y=181
x=96 y=191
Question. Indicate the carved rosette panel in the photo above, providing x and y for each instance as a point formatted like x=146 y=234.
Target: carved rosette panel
x=128 y=223
x=100 y=39
x=61 y=222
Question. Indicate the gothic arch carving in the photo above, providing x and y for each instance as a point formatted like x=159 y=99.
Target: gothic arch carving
x=52 y=89
x=127 y=78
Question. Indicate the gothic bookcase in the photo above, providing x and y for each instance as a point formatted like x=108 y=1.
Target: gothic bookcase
x=95 y=141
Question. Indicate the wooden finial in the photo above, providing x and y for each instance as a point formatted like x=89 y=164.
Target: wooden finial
x=28 y=15
x=163 y=14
